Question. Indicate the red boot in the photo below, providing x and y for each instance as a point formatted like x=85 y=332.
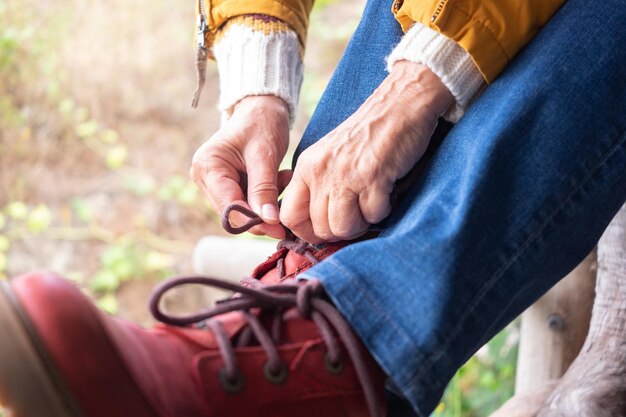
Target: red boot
x=276 y=351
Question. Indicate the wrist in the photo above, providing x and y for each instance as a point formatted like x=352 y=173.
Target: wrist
x=413 y=84
x=257 y=56
x=444 y=57
x=267 y=104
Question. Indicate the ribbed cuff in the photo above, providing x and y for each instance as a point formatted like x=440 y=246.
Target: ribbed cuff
x=449 y=61
x=253 y=62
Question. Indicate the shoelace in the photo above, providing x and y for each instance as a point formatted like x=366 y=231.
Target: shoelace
x=291 y=242
x=308 y=298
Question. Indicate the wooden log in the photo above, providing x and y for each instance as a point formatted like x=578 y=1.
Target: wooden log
x=595 y=384
x=230 y=257
x=553 y=329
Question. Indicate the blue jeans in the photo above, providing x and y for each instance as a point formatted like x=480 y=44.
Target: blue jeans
x=516 y=194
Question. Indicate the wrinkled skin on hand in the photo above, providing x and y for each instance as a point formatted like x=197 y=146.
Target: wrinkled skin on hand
x=239 y=163
x=342 y=184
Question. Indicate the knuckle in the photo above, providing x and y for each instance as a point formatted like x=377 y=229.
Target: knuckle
x=344 y=231
x=323 y=232
x=288 y=221
x=376 y=210
x=375 y=217
x=314 y=240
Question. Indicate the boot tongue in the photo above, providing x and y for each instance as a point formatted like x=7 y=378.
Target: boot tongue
x=271 y=272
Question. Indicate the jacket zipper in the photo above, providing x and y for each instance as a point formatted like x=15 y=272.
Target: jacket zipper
x=438 y=10
x=201 y=52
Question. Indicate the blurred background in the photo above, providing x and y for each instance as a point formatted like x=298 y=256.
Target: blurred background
x=96 y=139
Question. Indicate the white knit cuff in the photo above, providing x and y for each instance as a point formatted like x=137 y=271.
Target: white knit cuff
x=449 y=61
x=252 y=62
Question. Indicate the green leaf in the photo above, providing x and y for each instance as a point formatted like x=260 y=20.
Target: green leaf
x=39 y=219
x=141 y=185
x=113 y=254
x=81 y=114
x=4 y=243
x=122 y=261
x=125 y=269
x=109 y=136
x=177 y=182
x=104 y=281
x=157 y=261
x=66 y=106
x=165 y=193
x=188 y=195
x=3 y=262
x=87 y=129
x=116 y=157
x=108 y=303
x=82 y=210
x=17 y=210
x=172 y=188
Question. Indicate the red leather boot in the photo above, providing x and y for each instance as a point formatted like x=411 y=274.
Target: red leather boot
x=279 y=350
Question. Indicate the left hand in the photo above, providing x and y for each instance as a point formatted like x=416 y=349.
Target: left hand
x=342 y=184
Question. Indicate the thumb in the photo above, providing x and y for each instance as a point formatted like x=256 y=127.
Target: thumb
x=263 y=190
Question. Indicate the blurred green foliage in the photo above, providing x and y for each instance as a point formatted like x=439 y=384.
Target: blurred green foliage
x=27 y=59
x=486 y=381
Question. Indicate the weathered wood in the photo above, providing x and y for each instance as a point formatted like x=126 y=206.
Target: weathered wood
x=230 y=257
x=595 y=384
x=553 y=329
x=527 y=404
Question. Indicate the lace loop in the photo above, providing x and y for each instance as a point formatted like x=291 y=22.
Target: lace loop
x=307 y=296
x=253 y=219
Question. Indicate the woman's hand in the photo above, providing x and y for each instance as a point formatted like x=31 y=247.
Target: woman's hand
x=342 y=184
x=240 y=162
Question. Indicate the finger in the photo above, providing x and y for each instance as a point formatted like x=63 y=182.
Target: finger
x=294 y=213
x=375 y=204
x=272 y=230
x=263 y=187
x=344 y=216
x=219 y=184
x=319 y=218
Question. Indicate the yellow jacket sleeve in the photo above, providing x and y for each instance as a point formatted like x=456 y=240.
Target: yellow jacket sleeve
x=293 y=12
x=491 y=31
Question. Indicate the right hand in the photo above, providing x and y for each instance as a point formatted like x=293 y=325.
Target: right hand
x=239 y=163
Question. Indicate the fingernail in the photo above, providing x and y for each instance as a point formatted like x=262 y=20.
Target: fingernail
x=269 y=212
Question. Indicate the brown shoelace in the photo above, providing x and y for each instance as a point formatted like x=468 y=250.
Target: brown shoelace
x=291 y=242
x=308 y=298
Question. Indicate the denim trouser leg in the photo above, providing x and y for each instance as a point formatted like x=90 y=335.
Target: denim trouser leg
x=514 y=197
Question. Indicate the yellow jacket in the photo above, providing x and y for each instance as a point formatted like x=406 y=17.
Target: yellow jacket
x=491 y=31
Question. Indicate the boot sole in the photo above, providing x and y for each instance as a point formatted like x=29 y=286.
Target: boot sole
x=30 y=384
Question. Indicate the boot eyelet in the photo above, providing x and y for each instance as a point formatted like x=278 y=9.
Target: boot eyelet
x=335 y=367
x=231 y=385
x=275 y=378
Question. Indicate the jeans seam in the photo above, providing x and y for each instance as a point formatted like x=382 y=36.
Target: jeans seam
x=372 y=302
x=374 y=305
x=522 y=249
x=357 y=286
